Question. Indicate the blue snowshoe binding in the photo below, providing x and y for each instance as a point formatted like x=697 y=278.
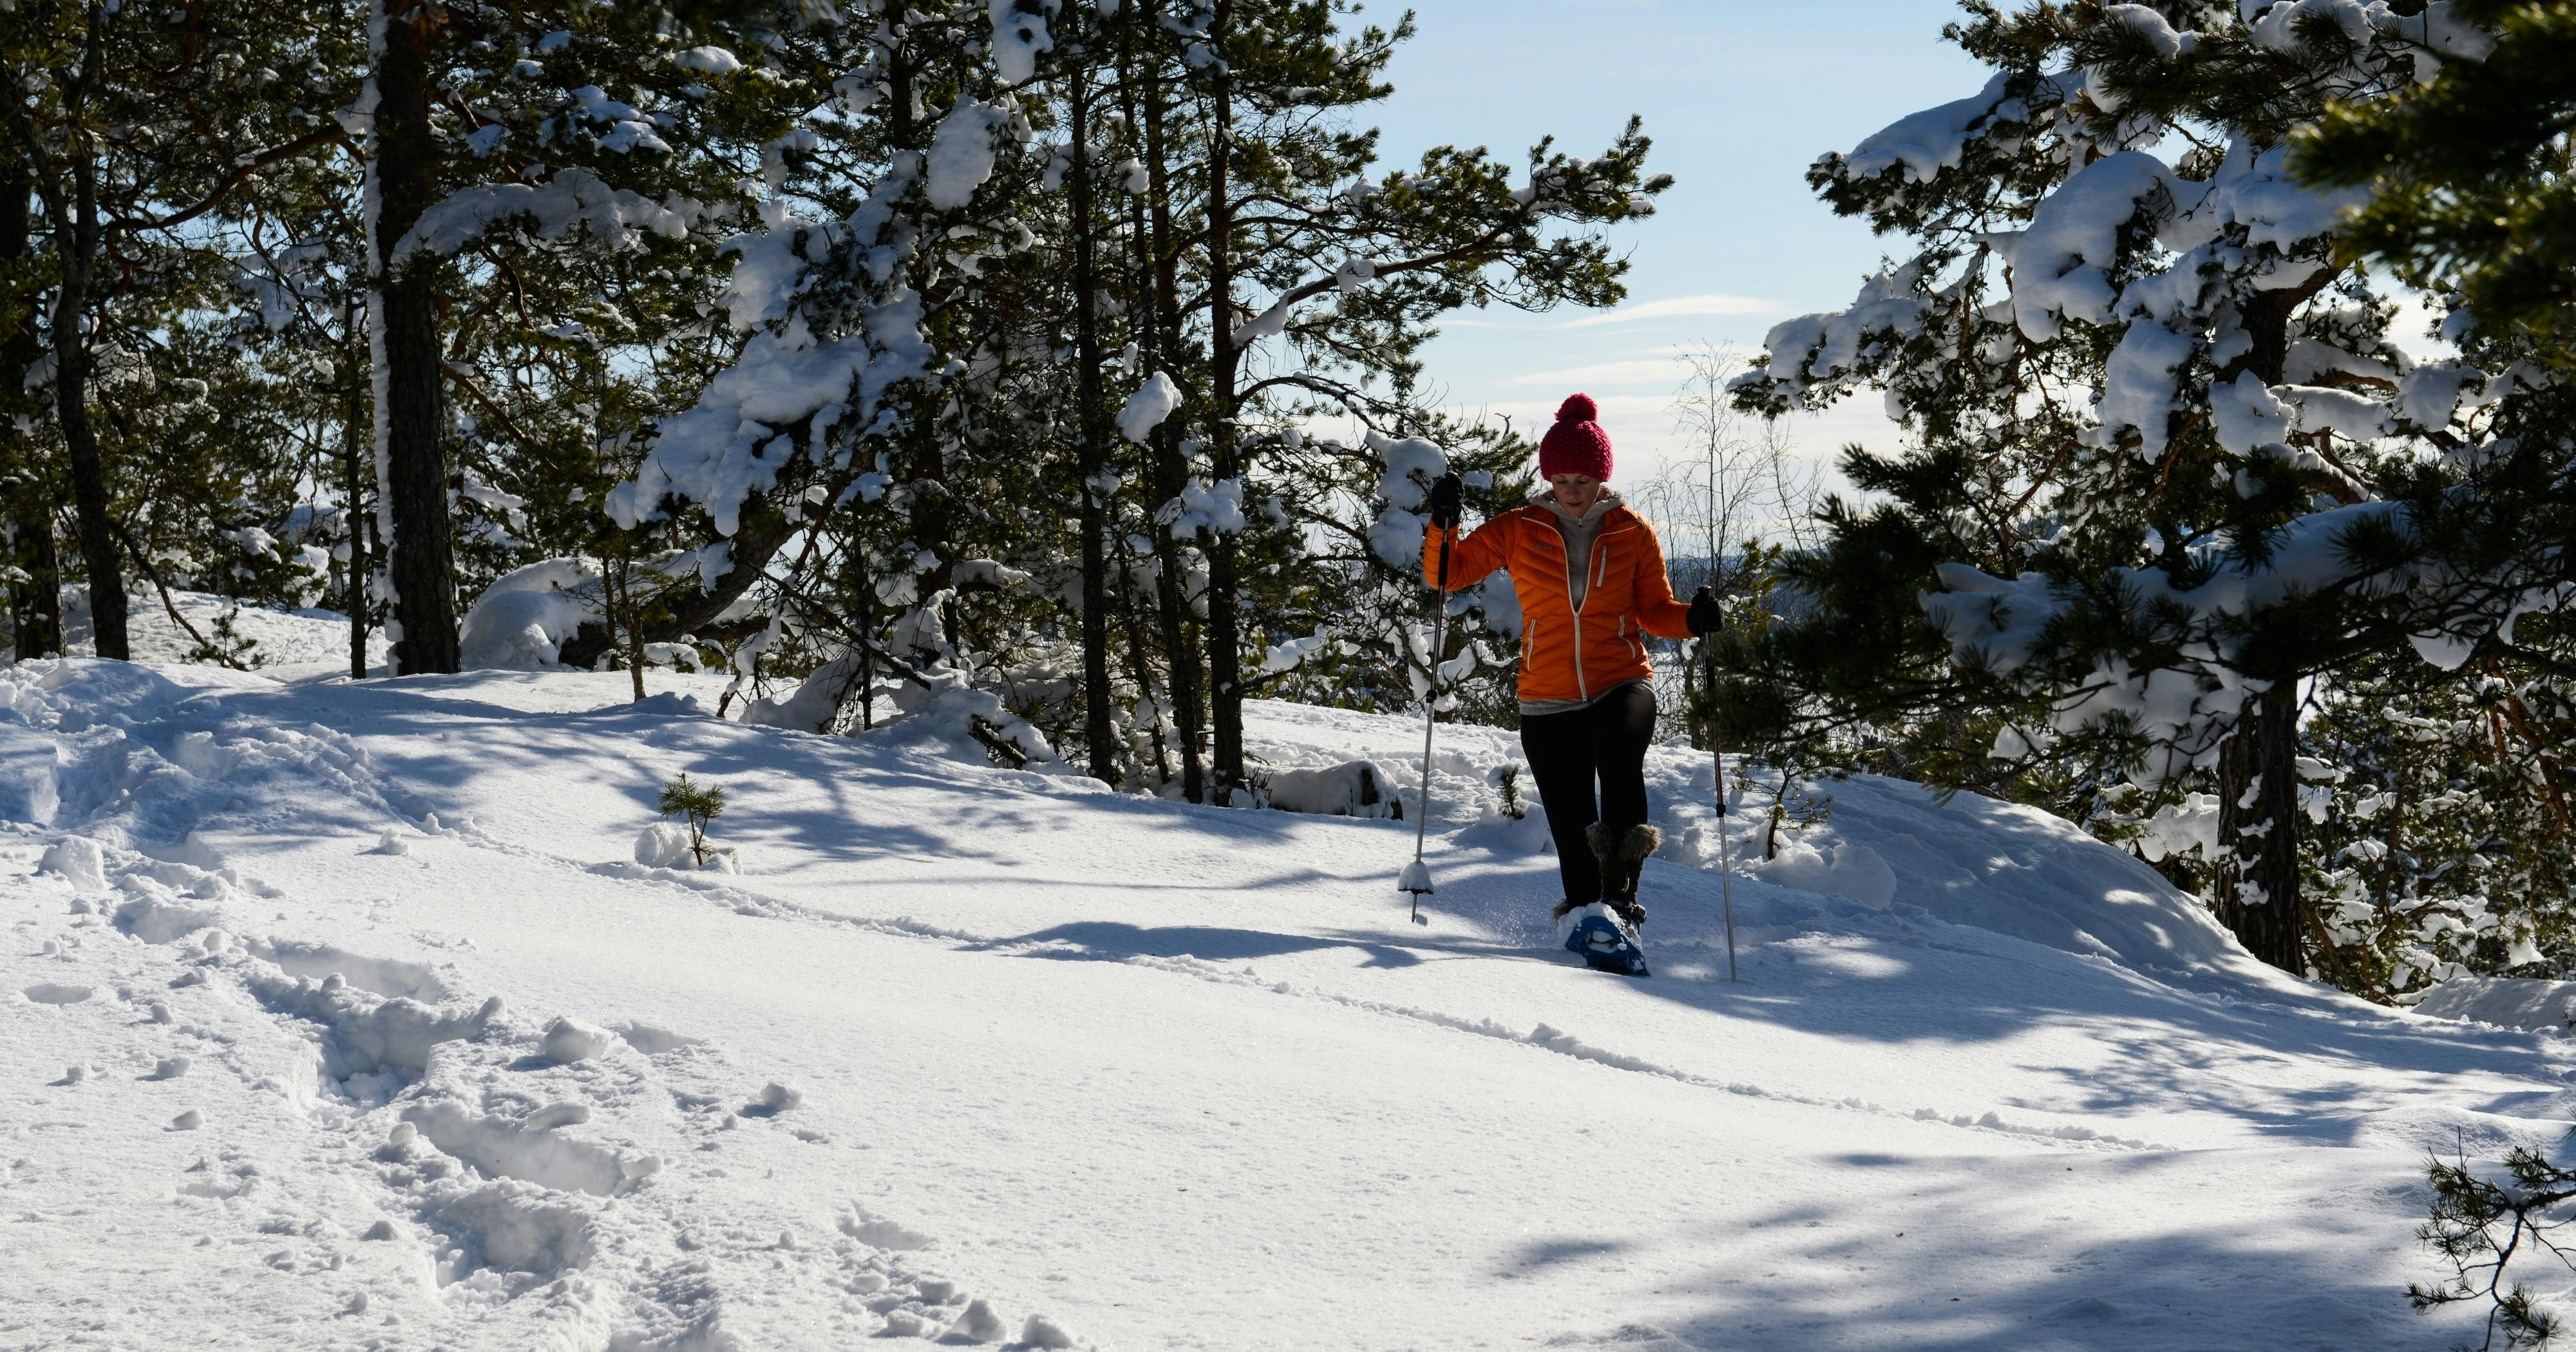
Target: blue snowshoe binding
x=1604 y=934
x=1596 y=934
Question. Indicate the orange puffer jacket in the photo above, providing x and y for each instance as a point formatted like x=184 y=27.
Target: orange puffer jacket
x=1565 y=653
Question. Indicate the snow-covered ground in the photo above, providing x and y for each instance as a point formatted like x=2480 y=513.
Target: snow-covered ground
x=1060 y=1067
x=286 y=644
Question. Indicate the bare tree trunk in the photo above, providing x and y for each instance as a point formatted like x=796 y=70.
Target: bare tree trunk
x=79 y=260
x=867 y=636
x=1224 y=638
x=2258 y=811
x=35 y=600
x=415 y=387
x=1159 y=252
x=2258 y=829
x=931 y=508
x=634 y=623
x=357 y=432
x=1089 y=453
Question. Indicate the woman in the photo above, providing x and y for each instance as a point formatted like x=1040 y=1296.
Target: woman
x=1591 y=581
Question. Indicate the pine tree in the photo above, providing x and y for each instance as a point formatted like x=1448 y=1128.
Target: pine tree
x=695 y=803
x=2218 y=480
x=135 y=121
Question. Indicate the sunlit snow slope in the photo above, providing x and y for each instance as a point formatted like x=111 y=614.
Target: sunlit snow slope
x=1058 y=1067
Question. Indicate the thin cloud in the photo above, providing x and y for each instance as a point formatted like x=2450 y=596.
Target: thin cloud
x=1671 y=307
x=1677 y=307
x=1662 y=371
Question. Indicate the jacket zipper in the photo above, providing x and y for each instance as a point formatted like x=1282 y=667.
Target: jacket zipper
x=1582 y=690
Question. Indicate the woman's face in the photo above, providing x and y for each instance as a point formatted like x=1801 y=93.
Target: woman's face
x=1576 y=492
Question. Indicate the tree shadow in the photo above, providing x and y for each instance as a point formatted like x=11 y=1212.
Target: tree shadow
x=1118 y=941
x=1928 y=1260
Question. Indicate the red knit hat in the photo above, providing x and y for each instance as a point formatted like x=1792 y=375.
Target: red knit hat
x=1576 y=445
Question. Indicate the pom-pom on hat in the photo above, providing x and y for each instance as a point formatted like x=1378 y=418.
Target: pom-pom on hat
x=1576 y=445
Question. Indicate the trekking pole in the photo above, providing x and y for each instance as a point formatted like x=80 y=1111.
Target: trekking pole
x=1717 y=760
x=1417 y=875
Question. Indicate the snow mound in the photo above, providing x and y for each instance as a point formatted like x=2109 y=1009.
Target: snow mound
x=1352 y=789
x=526 y=616
x=1982 y=863
x=663 y=845
x=1964 y=860
x=1843 y=869
x=569 y=1039
x=77 y=859
x=2506 y=1002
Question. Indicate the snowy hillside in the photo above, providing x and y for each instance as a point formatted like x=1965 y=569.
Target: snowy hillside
x=341 y=1016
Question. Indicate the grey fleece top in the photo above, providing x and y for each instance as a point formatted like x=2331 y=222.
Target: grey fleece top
x=1578 y=531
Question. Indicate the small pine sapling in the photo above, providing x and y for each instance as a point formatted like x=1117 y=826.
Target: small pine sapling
x=696 y=803
x=2482 y=1226
x=1507 y=780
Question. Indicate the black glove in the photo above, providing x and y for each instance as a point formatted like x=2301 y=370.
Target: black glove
x=1705 y=614
x=1448 y=500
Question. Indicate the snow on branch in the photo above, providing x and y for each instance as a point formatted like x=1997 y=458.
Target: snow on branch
x=2062 y=264
x=962 y=152
x=1835 y=347
x=570 y=198
x=738 y=437
x=1411 y=464
x=1934 y=139
x=1146 y=409
x=1018 y=37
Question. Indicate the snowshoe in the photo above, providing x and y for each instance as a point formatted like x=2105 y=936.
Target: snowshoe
x=1595 y=934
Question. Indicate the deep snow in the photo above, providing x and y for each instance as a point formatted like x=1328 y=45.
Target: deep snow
x=984 y=1055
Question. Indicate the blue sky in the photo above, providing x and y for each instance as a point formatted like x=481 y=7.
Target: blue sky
x=1739 y=98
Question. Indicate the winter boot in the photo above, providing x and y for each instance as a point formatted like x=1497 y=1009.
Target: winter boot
x=1622 y=858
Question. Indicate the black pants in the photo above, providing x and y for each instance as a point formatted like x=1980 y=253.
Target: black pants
x=1567 y=752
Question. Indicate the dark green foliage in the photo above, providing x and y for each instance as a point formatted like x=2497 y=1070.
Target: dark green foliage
x=2470 y=173
x=2482 y=1226
x=695 y=803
